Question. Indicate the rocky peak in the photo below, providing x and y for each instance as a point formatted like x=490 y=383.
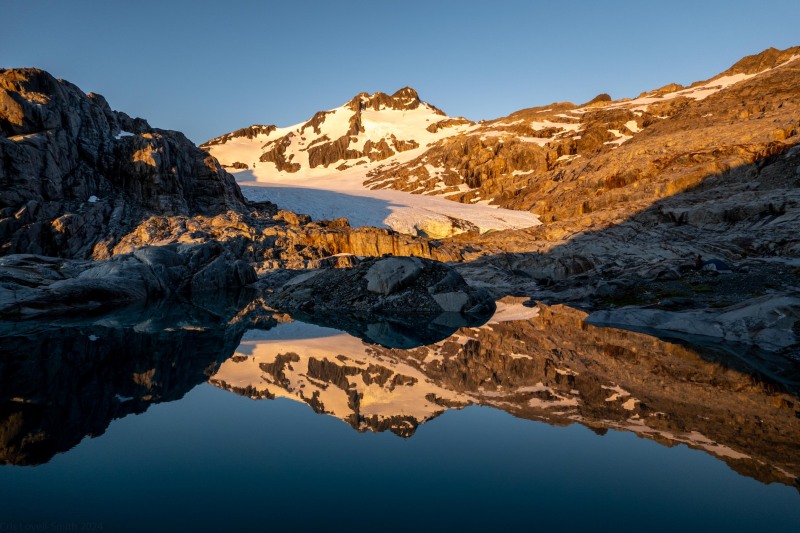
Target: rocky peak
x=769 y=58
x=600 y=99
x=367 y=129
x=407 y=93
x=75 y=176
x=402 y=100
x=31 y=101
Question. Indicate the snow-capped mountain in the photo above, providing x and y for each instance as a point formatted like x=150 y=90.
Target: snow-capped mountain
x=366 y=130
x=319 y=167
x=394 y=161
x=399 y=142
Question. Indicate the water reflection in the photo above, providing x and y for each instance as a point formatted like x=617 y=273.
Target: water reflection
x=62 y=381
x=550 y=367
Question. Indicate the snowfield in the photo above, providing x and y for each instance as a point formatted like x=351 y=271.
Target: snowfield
x=339 y=196
x=327 y=193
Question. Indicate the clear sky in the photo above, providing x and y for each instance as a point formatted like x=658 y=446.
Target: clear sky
x=207 y=68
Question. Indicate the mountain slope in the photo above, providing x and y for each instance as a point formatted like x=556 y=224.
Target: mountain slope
x=402 y=143
x=574 y=166
x=532 y=149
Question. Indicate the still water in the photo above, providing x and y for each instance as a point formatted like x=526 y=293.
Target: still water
x=185 y=420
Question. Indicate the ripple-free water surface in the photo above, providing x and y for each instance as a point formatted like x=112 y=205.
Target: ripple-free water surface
x=205 y=458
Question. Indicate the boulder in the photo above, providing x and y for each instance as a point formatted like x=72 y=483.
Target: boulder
x=392 y=274
x=387 y=286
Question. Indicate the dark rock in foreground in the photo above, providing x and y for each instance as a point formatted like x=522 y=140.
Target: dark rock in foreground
x=386 y=286
x=32 y=285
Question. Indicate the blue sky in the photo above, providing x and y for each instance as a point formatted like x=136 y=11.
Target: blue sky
x=206 y=68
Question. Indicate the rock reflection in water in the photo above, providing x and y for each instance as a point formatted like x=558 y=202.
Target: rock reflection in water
x=550 y=367
x=60 y=382
x=403 y=331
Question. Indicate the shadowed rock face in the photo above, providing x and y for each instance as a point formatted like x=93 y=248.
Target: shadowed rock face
x=76 y=176
x=552 y=368
x=35 y=286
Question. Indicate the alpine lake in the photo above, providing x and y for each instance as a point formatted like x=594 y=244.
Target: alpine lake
x=188 y=418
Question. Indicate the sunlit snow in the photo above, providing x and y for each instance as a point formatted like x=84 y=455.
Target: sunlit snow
x=327 y=193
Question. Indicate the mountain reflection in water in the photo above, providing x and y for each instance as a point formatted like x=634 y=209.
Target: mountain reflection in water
x=62 y=382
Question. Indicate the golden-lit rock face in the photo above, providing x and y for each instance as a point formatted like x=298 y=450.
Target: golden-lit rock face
x=563 y=160
x=552 y=368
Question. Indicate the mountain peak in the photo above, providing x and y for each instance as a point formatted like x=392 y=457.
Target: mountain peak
x=407 y=93
x=404 y=99
x=367 y=129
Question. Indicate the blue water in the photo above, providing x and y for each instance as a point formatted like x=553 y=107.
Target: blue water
x=218 y=461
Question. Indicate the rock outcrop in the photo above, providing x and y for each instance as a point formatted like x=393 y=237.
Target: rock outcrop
x=768 y=321
x=32 y=285
x=76 y=176
x=384 y=286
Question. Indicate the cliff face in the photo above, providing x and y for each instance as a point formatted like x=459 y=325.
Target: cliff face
x=76 y=176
